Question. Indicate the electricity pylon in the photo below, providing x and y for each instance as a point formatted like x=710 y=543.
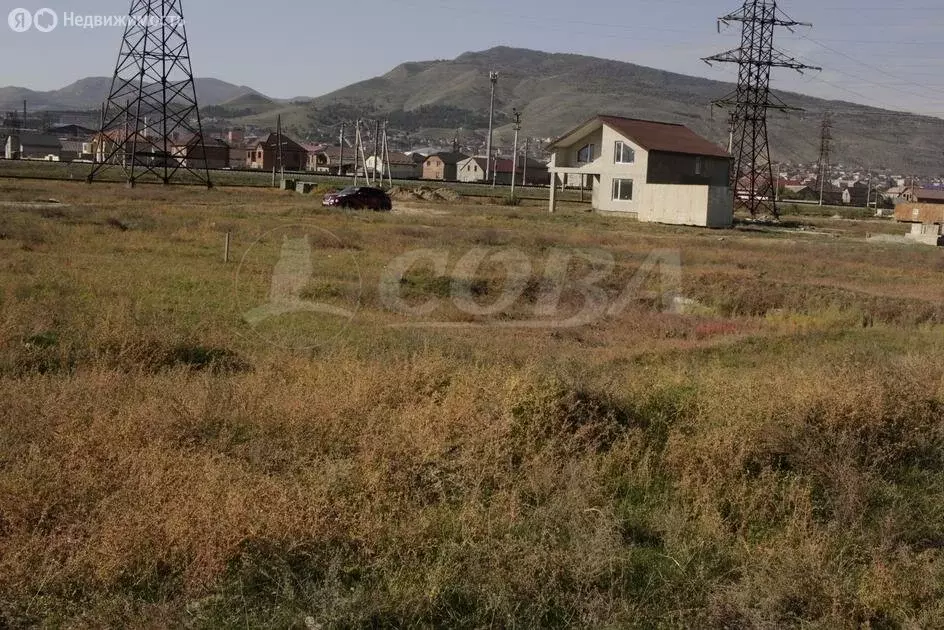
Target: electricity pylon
x=151 y=121
x=752 y=176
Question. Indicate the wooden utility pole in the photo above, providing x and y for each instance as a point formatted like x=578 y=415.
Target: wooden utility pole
x=493 y=78
x=357 y=145
x=376 y=150
x=277 y=164
x=341 y=152
x=360 y=146
x=386 y=153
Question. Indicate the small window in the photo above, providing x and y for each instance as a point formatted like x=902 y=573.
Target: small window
x=624 y=153
x=622 y=190
x=699 y=165
x=585 y=154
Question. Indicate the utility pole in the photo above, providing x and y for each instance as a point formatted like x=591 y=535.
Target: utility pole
x=527 y=155
x=357 y=145
x=341 y=152
x=495 y=169
x=493 y=78
x=281 y=160
x=373 y=178
x=386 y=157
x=360 y=144
x=752 y=176
x=826 y=136
x=514 y=154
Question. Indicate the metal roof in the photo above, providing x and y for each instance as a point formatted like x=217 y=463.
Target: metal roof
x=31 y=139
x=449 y=158
x=650 y=135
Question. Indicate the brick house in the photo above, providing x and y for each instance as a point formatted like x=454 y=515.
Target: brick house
x=442 y=166
x=265 y=154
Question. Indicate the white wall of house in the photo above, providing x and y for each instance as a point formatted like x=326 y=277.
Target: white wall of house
x=469 y=171
x=698 y=205
x=604 y=164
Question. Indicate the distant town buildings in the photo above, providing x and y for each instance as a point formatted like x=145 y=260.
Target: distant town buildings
x=528 y=173
x=70 y=139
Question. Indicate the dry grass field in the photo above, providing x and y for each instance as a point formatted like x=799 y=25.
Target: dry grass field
x=771 y=455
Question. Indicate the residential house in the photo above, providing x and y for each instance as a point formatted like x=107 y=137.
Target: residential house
x=928 y=195
x=235 y=137
x=313 y=150
x=148 y=150
x=76 y=151
x=29 y=145
x=798 y=190
x=926 y=217
x=72 y=132
x=329 y=159
x=856 y=195
x=654 y=171
x=264 y=155
x=212 y=153
x=396 y=166
x=473 y=170
x=442 y=166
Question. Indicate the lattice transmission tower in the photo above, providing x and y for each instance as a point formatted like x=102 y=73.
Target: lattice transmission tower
x=825 y=148
x=752 y=176
x=150 y=126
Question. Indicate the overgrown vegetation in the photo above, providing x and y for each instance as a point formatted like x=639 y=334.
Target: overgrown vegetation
x=774 y=457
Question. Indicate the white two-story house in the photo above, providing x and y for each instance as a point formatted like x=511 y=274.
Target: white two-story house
x=653 y=171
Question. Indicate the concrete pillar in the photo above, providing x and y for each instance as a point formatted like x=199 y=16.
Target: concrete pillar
x=553 y=195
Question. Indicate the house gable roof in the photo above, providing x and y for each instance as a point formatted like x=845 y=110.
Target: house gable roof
x=400 y=159
x=649 y=134
x=193 y=140
x=448 y=158
x=505 y=165
x=72 y=131
x=929 y=194
x=272 y=142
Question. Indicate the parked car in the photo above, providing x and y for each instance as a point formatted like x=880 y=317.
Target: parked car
x=358 y=198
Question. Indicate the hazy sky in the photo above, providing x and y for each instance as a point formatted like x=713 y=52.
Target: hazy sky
x=884 y=53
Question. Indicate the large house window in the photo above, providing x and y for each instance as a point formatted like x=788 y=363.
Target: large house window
x=623 y=189
x=585 y=154
x=624 y=153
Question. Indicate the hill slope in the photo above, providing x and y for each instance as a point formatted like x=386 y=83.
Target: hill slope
x=431 y=99
x=88 y=94
x=558 y=91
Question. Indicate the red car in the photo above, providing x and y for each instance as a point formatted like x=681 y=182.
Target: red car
x=358 y=198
